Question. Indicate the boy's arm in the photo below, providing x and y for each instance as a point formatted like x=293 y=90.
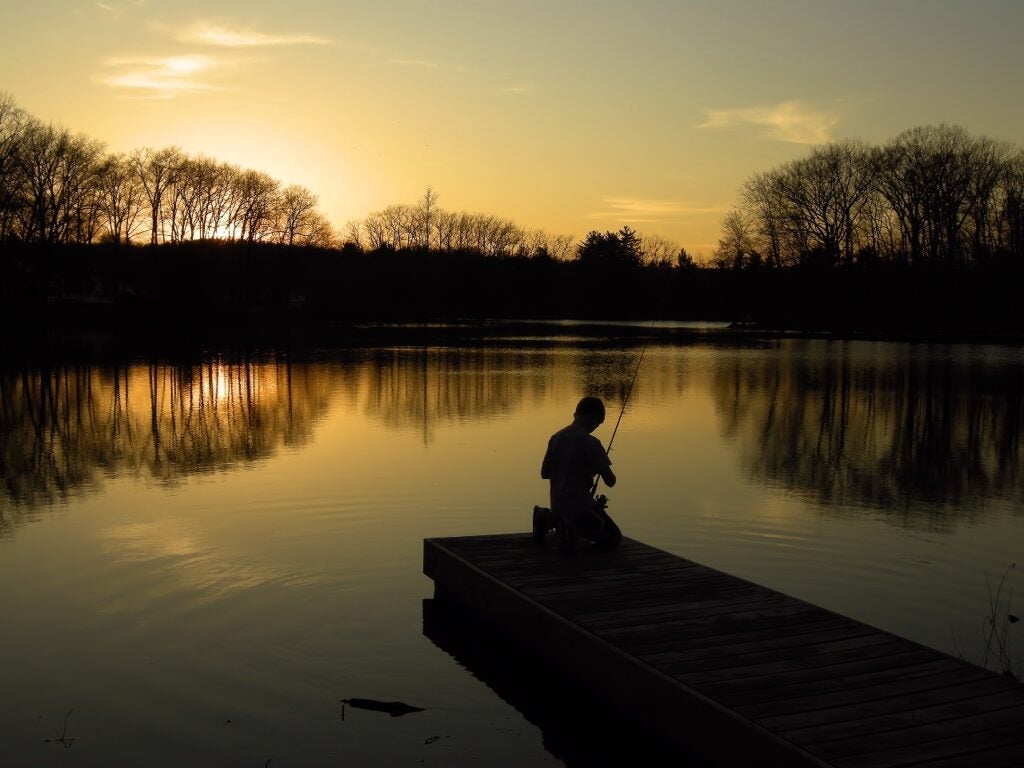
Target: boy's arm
x=545 y=466
x=608 y=476
x=602 y=463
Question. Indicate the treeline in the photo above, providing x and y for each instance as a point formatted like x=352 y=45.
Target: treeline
x=231 y=283
x=924 y=235
x=933 y=197
x=61 y=188
x=424 y=226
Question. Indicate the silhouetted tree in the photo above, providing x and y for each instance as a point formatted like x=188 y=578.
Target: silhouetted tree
x=119 y=197
x=1008 y=218
x=156 y=170
x=13 y=124
x=298 y=206
x=736 y=244
x=935 y=178
x=425 y=219
x=933 y=195
x=611 y=248
x=685 y=261
x=57 y=172
x=658 y=250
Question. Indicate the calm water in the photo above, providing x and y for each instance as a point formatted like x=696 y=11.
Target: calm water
x=201 y=559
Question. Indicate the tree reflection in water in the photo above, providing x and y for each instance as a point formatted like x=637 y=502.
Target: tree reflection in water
x=879 y=424
x=883 y=425
x=418 y=388
x=63 y=429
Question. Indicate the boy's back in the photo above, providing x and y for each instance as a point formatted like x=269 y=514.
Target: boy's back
x=572 y=459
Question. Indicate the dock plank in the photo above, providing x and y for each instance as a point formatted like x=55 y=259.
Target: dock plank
x=730 y=668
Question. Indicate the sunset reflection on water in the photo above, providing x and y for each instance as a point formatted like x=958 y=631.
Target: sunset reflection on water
x=240 y=537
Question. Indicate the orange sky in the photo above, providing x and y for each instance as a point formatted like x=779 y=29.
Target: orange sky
x=557 y=115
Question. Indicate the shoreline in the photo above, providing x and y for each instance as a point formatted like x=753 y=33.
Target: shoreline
x=85 y=337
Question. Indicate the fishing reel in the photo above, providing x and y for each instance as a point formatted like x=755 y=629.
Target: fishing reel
x=600 y=503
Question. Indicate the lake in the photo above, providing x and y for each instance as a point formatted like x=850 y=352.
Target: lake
x=201 y=555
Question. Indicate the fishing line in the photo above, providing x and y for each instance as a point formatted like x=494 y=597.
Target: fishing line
x=625 y=400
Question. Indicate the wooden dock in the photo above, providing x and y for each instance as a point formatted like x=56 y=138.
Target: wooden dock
x=731 y=670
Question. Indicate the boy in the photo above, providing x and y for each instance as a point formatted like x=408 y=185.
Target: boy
x=572 y=459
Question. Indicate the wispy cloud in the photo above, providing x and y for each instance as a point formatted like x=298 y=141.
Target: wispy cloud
x=643 y=210
x=160 y=77
x=164 y=77
x=519 y=88
x=226 y=37
x=790 y=121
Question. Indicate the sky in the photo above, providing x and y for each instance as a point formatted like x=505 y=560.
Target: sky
x=566 y=116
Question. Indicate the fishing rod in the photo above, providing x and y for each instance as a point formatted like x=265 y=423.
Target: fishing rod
x=625 y=400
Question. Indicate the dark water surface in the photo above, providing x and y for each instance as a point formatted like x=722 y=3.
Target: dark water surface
x=201 y=558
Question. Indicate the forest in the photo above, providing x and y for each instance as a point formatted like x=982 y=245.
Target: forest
x=923 y=236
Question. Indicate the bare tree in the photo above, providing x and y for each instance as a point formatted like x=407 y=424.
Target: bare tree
x=1009 y=216
x=156 y=170
x=13 y=123
x=376 y=233
x=445 y=224
x=56 y=168
x=256 y=205
x=120 y=198
x=399 y=225
x=926 y=177
x=560 y=247
x=775 y=225
x=825 y=193
x=737 y=242
x=658 y=250
x=425 y=219
x=318 y=232
x=353 y=233
x=933 y=195
x=298 y=209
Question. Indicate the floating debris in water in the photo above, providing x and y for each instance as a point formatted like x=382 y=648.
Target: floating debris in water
x=393 y=708
x=64 y=739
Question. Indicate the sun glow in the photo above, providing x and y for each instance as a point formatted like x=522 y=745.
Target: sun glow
x=160 y=77
x=650 y=115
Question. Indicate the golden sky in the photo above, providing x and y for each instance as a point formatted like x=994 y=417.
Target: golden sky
x=567 y=116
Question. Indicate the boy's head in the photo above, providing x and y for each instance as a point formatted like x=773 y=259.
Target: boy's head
x=589 y=413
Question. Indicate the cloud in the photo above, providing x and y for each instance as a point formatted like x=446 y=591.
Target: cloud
x=160 y=77
x=789 y=121
x=519 y=88
x=213 y=34
x=164 y=77
x=645 y=210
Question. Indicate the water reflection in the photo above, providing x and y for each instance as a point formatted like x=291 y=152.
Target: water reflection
x=410 y=388
x=882 y=424
x=577 y=727
x=879 y=424
x=63 y=429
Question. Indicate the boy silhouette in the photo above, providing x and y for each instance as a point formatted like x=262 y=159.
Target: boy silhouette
x=573 y=458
